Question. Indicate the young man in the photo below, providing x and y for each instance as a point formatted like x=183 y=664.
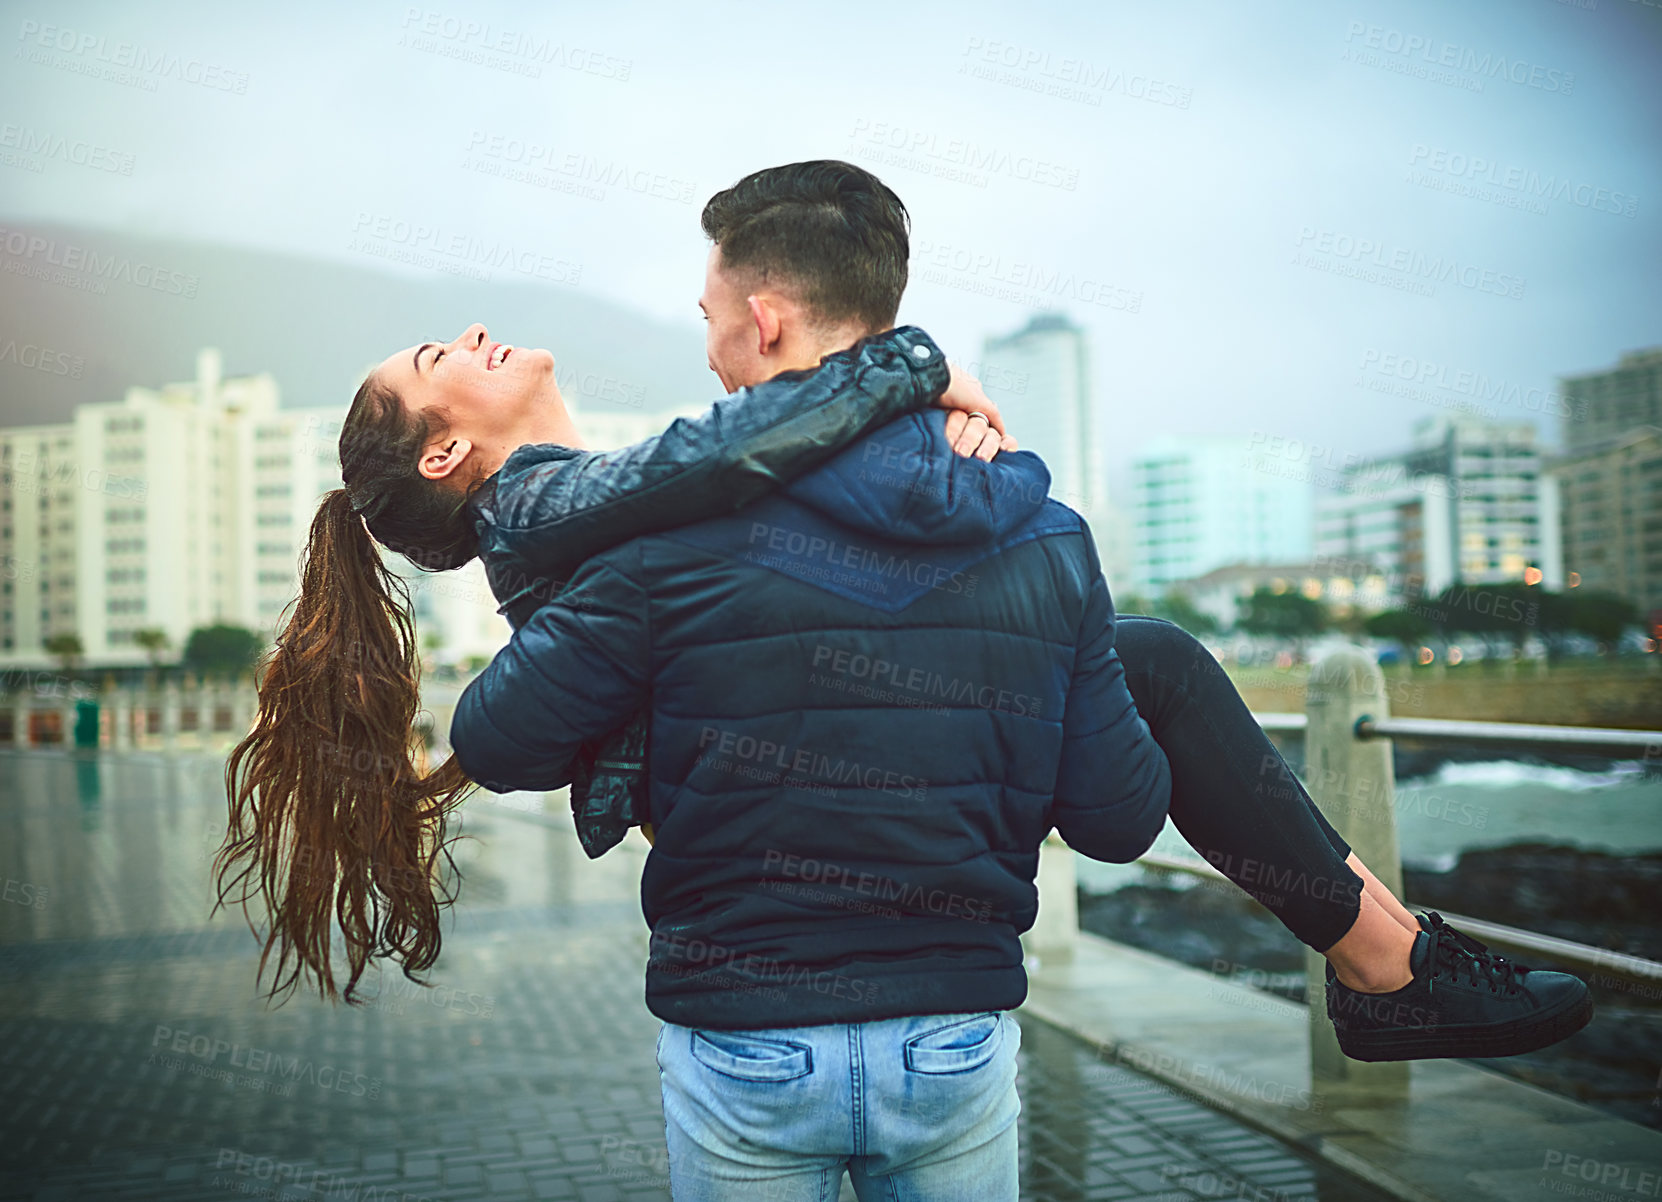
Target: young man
x=871 y=696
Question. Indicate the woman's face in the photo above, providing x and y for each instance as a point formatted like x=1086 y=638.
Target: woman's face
x=493 y=397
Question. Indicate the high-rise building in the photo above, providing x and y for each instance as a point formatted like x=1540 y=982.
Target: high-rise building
x=1391 y=541
x=1611 y=494
x=1468 y=503
x=1605 y=405
x=38 y=493
x=189 y=505
x=169 y=509
x=1198 y=503
x=1039 y=376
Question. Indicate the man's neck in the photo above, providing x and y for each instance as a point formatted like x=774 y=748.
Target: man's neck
x=814 y=351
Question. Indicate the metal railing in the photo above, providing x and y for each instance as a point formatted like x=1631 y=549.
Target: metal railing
x=1560 y=951
x=1454 y=730
x=1348 y=729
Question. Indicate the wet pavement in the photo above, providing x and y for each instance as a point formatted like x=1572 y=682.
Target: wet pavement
x=136 y=1060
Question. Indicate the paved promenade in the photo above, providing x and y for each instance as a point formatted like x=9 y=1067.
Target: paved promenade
x=135 y=1061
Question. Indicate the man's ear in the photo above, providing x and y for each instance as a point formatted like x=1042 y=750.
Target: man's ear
x=444 y=457
x=768 y=323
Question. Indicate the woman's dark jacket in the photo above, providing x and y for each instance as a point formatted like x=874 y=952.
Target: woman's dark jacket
x=549 y=508
x=871 y=694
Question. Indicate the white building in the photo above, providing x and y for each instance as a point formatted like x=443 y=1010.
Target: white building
x=1039 y=377
x=1198 y=503
x=1469 y=503
x=170 y=509
x=1398 y=536
x=189 y=505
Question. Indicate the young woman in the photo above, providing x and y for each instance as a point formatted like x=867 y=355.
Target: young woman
x=464 y=448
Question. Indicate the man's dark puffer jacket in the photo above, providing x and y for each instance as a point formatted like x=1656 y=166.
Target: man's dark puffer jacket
x=550 y=507
x=872 y=696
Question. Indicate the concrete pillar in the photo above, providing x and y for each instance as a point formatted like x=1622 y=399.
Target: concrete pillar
x=17 y=704
x=171 y=705
x=1055 y=933
x=25 y=711
x=245 y=705
x=1352 y=782
x=121 y=718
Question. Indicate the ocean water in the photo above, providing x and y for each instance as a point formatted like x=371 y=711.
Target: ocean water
x=1488 y=804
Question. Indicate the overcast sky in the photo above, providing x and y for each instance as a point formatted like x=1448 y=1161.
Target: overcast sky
x=1229 y=197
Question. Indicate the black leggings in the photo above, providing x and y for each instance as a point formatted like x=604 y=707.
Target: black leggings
x=1232 y=795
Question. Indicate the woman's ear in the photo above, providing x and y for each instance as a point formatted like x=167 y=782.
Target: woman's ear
x=442 y=458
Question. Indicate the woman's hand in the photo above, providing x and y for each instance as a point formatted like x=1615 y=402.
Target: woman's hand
x=975 y=426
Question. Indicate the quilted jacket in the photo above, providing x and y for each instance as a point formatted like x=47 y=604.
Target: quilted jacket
x=870 y=696
x=551 y=507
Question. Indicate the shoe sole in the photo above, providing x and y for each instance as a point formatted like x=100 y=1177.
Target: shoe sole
x=1447 y=1043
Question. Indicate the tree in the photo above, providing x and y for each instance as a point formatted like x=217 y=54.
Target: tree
x=1509 y=611
x=1289 y=615
x=222 y=649
x=1400 y=625
x=65 y=648
x=154 y=641
x=1176 y=606
x=1600 y=615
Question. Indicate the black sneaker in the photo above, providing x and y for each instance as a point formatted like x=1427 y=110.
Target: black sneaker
x=1464 y=1001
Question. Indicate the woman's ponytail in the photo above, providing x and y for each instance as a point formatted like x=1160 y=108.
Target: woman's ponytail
x=331 y=817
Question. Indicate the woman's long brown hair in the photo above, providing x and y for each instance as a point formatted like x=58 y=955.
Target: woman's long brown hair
x=332 y=817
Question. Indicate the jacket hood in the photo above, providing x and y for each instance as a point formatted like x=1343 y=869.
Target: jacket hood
x=904 y=483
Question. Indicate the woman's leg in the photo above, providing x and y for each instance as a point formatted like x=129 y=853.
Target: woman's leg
x=1237 y=803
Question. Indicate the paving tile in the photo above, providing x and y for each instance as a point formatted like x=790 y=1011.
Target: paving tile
x=98 y=1104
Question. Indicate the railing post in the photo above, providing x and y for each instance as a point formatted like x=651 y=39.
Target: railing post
x=170 y=716
x=1352 y=782
x=121 y=718
x=1055 y=933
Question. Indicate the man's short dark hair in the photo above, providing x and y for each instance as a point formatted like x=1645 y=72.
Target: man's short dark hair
x=829 y=229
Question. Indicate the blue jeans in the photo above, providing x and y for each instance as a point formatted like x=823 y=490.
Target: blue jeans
x=918 y=1109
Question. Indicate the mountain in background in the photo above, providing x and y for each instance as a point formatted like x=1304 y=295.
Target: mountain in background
x=316 y=325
